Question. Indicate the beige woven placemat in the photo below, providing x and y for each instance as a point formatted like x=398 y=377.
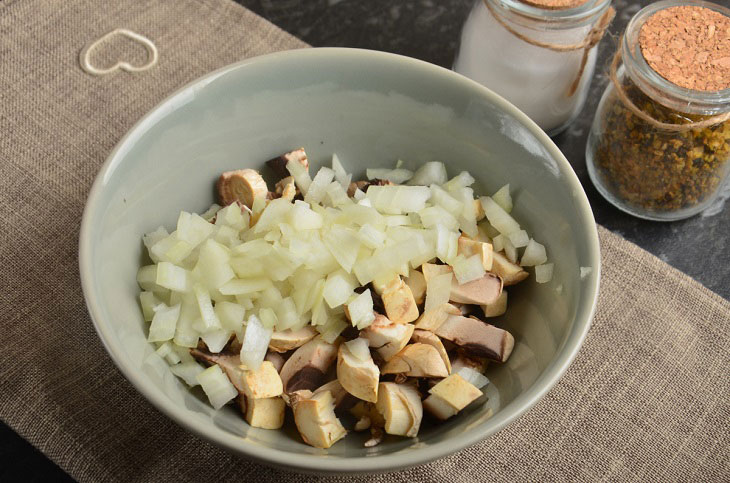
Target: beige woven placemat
x=646 y=399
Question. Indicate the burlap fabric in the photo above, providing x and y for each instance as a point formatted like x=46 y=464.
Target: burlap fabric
x=646 y=399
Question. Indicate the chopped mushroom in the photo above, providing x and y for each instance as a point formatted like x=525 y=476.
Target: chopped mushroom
x=278 y=164
x=267 y=413
x=364 y=409
x=417 y=283
x=417 y=360
x=509 y=272
x=499 y=307
x=450 y=396
x=285 y=188
x=432 y=319
x=481 y=291
x=386 y=337
x=400 y=405
x=243 y=185
x=462 y=359
x=358 y=375
x=262 y=383
x=307 y=366
x=229 y=362
x=477 y=337
x=400 y=305
x=427 y=337
x=316 y=420
x=469 y=247
x=286 y=340
x=479 y=210
x=339 y=394
x=276 y=359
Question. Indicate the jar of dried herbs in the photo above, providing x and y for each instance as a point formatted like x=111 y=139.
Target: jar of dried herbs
x=659 y=147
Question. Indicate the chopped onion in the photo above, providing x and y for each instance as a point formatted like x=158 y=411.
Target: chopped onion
x=436 y=215
x=341 y=175
x=473 y=377
x=510 y=251
x=286 y=314
x=433 y=172
x=338 y=288
x=163 y=323
x=151 y=238
x=396 y=200
x=519 y=239
x=216 y=339
x=440 y=197
x=360 y=310
x=438 y=291
x=359 y=348
x=216 y=386
x=274 y=213
x=534 y=254
x=230 y=314
x=498 y=243
x=233 y=217
x=213 y=265
x=370 y=236
x=498 y=218
x=241 y=286
x=332 y=330
x=318 y=188
x=344 y=245
x=207 y=314
x=338 y=195
x=193 y=229
x=255 y=343
x=359 y=194
x=300 y=175
x=188 y=372
x=503 y=198
x=468 y=269
x=461 y=180
x=148 y=301
x=544 y=273
x=302 y=217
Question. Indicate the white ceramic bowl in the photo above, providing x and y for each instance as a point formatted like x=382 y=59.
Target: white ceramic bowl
x=371 y=109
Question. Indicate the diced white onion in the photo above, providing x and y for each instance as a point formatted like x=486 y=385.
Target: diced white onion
x=216 y=339
x=473 y=377
x=163 y=323
x=216 y=386
x=503 y=198
x=544 y=273
x=360 y=310
x=397 y=176
x=498 y=218
x=433 y=172
x=300 y=175
x=207 y=314
x=468 y=269
x=519 y=239
x=341 y=175
x=230 y=315
x=338 y=288
x=188 y=372
x=318 y=187
x=255 y=343
x=534 y=254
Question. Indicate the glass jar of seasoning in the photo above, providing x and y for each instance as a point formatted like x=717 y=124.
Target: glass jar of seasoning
x=659 y=147
x=538 y=54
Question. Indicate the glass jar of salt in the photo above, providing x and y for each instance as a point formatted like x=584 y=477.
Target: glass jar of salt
x=538 y=54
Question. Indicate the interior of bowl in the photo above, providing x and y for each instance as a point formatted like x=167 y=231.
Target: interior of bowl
x=371 y=109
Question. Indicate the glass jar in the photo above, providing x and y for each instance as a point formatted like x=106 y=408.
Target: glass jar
x=668 y=160
x=539 y=59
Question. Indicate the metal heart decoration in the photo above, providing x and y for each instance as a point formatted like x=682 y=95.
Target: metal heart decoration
x=85 y=55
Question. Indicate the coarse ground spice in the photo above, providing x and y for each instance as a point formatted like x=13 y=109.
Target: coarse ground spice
x=655 y=170
x=555 y=4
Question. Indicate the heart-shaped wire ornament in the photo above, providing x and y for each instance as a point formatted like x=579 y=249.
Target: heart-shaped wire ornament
x=85 y=55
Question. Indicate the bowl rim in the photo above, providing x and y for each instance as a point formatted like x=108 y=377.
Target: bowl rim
x=359 y=464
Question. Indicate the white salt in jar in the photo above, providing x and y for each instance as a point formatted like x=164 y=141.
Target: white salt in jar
x=538 y=54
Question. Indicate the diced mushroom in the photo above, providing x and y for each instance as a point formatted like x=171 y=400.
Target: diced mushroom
x=243 y=185
x=481 y=291
x=417 y=283
x=339 y=394
x=364 y=409
x=426 y=337
x=400 y=305
x=267 y=413
x=316 y=420
x=477 y=337
x=276 y=359
x=262 y=383
x=307 y=366
x=432 y=319
x=285 y=188
x=417 y=360
x=386 y=337
x=357 y=374
x=469 y=247
x=291 y=399
x=400 y=405
x=286 y=340
x=450 y=396
x=278 y=164
x=509 y=272
x=497 y=308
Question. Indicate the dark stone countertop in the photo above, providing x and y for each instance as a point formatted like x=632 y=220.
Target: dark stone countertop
x=429 y=30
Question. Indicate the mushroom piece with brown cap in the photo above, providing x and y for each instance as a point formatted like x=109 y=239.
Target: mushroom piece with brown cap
x=356 y=370
x=398 y=301
x=307 y=366
x=285 y=188
x=417 y=283
x=266 y=413
x=386 y=337
x=316 y=420
x=469 y=247
x=509 y=272
x=229 y=361
x=286 y=340
x=482 y=291
x=262 y=383
x=243 y=185
x=417 y=360
x=477 y=337
x=433 y=318
x=401 y=408
x=339 y=394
